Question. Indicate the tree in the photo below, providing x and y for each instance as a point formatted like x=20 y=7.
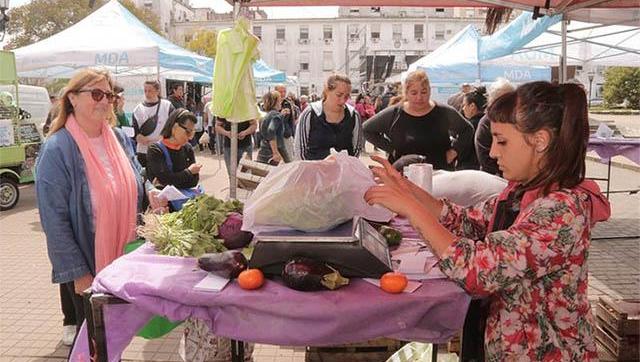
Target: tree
x=620 y=84
x=204 y=43
x=147 y=16
x=41 y=19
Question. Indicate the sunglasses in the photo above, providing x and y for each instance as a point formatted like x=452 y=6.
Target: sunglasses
x=98 y=94
x=187 y=129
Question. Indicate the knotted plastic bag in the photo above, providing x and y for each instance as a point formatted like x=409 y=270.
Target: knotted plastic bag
x=312 y=196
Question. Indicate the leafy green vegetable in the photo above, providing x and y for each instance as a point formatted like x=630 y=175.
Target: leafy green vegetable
x=191 y=231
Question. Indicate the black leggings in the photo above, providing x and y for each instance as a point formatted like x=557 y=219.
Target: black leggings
x=72 y=305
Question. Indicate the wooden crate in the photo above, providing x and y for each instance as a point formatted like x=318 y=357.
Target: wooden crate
x=251 y=173
x=379 y=349
x=621 y=348
x=621 y=316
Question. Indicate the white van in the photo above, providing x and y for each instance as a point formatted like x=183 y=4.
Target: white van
x=34 y=100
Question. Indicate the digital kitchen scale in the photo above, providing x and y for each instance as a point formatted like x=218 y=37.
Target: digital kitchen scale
x=355 y=249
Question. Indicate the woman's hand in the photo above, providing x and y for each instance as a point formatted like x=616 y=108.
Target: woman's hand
x=157 y=204
x=393 y=192
x=83 y=283
x=275 y=159
x=194 y=168
x=451 y=155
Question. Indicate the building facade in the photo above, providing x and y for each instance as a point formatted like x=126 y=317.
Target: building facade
x=168 y=11
x=368 y=44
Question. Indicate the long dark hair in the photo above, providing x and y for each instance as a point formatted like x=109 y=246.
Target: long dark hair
x=559 y=109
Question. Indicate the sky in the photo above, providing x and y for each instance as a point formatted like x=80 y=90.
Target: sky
x=276 y=12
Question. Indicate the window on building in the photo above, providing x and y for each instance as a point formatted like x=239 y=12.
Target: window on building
x=188 y=38
x=327 y=61
x=397 y=31
x=257 y=31
x=304 y=90
x=281 y=60
x=327 y=32
x=375 y=31
x=440 y=10
x=439 y=32
x=418 y=31
x=354 y=11
x=280 y=33
x=304 y=61
x=353 y=31
x=304 y=32
x=470 y=13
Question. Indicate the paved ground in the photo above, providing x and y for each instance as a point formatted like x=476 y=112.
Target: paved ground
x=31 y=321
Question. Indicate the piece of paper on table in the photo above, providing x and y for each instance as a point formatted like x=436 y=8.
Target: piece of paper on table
x=410 y=288
x=171 y=193
x=128 y=131
x=211 y=283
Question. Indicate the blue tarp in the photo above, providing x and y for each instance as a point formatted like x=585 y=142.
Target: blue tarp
x=461 y=59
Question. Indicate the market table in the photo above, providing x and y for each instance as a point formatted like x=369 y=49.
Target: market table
x=607 y=148
x=274 y=314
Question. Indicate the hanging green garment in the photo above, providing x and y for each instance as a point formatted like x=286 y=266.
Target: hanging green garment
x=234 y=95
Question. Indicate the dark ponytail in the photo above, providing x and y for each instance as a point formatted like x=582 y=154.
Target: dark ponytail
x=562 y=111
x=478 y=97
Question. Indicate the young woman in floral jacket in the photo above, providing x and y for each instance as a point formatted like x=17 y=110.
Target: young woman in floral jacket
x=525 y=250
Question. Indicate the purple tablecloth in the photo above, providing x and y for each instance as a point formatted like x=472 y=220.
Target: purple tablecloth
x=610 y=147
x=273 y=314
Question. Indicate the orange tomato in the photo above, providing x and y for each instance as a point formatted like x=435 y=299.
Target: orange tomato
x=251 y=279
x=393 y=282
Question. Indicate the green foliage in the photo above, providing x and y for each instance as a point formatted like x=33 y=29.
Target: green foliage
x=204 y=43
x=41 y=19
x=622 y=83
x=148 y=17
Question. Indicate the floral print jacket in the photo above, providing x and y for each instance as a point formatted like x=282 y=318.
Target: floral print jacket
x=534 y=272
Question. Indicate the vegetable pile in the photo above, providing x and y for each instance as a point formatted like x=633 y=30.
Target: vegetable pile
x=306 y=274
x=197 y=228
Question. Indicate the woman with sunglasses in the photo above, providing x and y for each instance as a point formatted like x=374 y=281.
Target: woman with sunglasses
x=525 y=250
x=88 y=185
x=171 y=161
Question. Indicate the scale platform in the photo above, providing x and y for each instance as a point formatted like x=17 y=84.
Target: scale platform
x=355 y=248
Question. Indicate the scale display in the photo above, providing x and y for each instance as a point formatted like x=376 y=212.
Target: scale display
x=355 y=248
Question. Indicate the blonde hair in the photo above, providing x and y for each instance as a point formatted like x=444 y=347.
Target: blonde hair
x=270 y=100
x=332 y=83
x=79 y=80
x=417 y=76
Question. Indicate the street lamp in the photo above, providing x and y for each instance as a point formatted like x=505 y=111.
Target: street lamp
x=590 y=75
x=4 y=19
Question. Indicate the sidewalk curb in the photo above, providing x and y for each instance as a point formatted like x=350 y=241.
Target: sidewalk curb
x=616 y=164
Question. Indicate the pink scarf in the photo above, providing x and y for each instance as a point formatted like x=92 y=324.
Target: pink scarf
x=114 y=204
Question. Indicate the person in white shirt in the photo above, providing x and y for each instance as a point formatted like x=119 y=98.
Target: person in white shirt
x=149 y=117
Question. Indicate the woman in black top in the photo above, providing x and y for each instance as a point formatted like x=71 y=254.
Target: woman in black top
x=245 y=134
x=329 y=123
x=473 y=105
x=171 y=161
x=420 y=126
x=272 y=131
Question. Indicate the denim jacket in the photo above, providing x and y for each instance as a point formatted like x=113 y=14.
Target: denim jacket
x=64 y=202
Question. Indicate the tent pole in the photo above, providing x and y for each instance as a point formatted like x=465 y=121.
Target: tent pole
x=233 y=164
x=563 y=56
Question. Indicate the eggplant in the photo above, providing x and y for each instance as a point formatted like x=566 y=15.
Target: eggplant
x=306 y=274
x=391 y=235
x=227 y=264
x=238 y=240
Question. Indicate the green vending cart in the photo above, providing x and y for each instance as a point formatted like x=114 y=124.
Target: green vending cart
x=19 y=138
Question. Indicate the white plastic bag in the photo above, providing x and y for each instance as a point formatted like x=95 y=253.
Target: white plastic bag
x=312 y=196
x=204 y=139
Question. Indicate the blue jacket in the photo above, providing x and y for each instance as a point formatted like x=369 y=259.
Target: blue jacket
x=64 y=202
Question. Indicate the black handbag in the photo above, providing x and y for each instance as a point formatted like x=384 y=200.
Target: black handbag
x=150 y=123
